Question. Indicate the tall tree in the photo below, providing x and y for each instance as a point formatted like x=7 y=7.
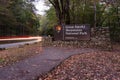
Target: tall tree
x=24 y=11
x=62 y=10
x=17 y=17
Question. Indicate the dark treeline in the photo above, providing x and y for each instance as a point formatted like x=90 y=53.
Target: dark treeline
x=97 y=13
x=17 y=17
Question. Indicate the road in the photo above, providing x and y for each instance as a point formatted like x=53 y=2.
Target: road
x=31 y=40
x=31 y=68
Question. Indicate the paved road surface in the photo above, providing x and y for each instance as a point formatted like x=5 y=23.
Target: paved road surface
x=10 y=45
x=31 y=68
x=28 y=38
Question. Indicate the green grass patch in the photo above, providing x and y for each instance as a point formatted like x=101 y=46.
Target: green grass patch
x=2 y=60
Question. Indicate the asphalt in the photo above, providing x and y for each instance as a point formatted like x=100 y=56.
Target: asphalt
x=31 y=68
x=17 y=44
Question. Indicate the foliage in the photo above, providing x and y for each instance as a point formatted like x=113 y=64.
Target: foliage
x=47 y=22
x=97 y=13
x=18 y=18
x=62 y=10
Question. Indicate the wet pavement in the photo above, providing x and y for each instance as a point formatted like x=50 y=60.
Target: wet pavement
x=33 y=67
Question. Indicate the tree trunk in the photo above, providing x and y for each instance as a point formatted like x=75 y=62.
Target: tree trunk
x=67 y=12
x=95 y=15
x=62 y=10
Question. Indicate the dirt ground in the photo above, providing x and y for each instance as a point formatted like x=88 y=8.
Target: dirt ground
x=13 y=55
x=116 y=47
x=100 y=65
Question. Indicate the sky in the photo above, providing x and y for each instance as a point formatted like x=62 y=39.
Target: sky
x=40 y=6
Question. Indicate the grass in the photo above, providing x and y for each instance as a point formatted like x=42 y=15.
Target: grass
x=1 y=60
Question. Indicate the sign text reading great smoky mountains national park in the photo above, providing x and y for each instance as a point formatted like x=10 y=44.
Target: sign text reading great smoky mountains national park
x=76 y=32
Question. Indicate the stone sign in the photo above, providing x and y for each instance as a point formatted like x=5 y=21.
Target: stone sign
x=72 y=32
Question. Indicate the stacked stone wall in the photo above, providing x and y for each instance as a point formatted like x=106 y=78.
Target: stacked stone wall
x=100 y=38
